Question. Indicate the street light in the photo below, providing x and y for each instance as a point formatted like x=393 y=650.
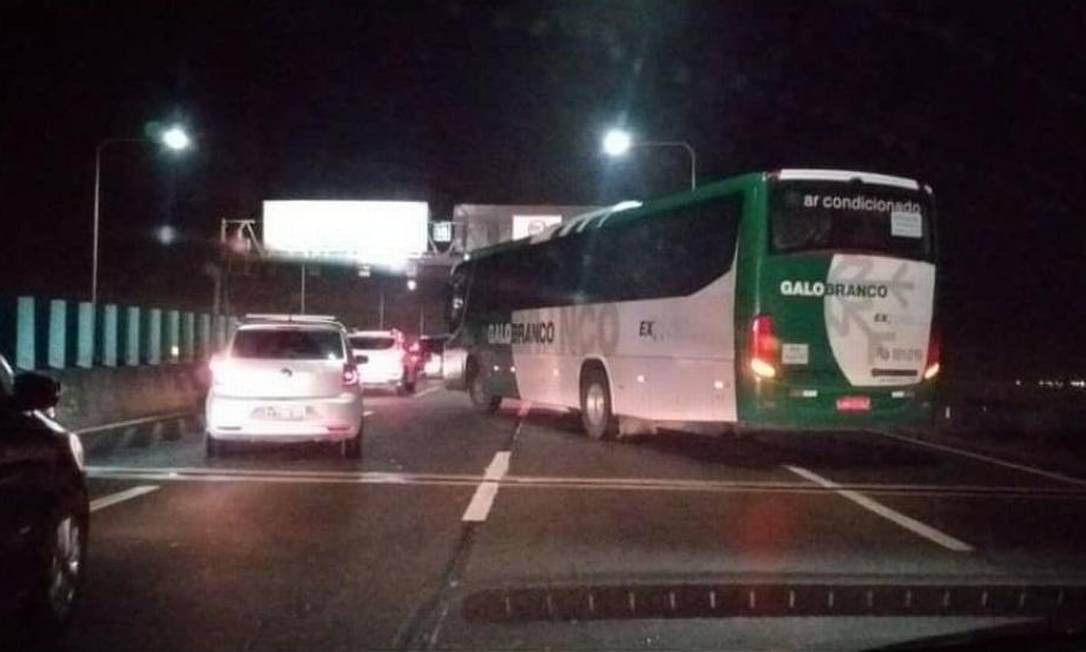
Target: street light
x=617 y=142
x=166 y=235
x=412 y=284
x=174 y=138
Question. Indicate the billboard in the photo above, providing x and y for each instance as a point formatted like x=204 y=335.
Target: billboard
x=529 y=225
x=487 y=224
x=379 y=233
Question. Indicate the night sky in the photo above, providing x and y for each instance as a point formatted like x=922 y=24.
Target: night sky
x=455 y=101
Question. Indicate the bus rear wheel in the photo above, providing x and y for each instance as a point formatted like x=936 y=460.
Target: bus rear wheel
x=597 y=417
x=483 y=401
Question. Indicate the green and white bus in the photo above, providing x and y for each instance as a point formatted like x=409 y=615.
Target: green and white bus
x=794 y=299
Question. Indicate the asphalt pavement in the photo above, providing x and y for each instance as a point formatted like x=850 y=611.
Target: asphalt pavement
x=513 y=531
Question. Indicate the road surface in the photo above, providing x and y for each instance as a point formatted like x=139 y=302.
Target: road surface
x=294 y=548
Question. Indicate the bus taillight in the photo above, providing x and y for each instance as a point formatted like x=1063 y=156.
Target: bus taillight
x=763 y=347
x=931 y=368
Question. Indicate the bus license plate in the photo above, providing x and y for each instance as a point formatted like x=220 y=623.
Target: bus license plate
x=854 y=404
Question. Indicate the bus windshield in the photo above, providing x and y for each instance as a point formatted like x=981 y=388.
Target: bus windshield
x=859 y=218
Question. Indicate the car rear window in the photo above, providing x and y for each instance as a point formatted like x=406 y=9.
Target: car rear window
x=371 y=343
x=288 y=344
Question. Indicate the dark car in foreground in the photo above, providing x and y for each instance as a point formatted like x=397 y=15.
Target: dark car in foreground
x=44 y=510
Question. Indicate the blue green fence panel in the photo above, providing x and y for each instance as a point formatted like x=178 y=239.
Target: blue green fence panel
x=132 y=337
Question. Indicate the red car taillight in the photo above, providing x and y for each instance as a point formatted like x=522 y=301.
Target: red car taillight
x=219 y=369
x=350 y=375
x=931 y=367
x=763 y=347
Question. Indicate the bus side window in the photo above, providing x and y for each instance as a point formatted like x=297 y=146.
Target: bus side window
x=671 y=254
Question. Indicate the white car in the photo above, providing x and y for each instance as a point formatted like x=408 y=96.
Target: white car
x=286 y=378
x=386 y=364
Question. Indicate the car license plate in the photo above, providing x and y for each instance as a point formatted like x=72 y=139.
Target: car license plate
x=283 y=412
x=854 y=404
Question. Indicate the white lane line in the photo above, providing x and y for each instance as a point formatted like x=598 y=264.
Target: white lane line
x=117 y=472
x=121 y=496
x=131 y=422
x=428 y=390
x=277 y=479
x=904 y=521
x=1052 y=475
x=168 y=474
x=479 y=507
x=499 y=466
x=480 y=504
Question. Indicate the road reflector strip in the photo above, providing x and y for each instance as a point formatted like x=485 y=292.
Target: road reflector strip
x=121 y=496
x=909 y=523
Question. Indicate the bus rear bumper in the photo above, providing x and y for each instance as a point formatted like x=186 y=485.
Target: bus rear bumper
x=781 y=410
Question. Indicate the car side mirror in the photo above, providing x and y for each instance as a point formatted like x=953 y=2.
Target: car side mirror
x=361 y=359
x=33 y=391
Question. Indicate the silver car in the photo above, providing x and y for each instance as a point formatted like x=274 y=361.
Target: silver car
x=286 y=379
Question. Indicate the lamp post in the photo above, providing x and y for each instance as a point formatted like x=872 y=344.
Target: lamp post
x=174 y=138
x=617 y=142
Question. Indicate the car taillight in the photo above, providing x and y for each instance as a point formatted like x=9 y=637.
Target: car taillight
x=350 y=375
x=931 y=367
x=763 y=347
x=219 y=369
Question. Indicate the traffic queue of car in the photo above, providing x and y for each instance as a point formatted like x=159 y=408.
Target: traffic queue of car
x=300 y=378
x=281 y=378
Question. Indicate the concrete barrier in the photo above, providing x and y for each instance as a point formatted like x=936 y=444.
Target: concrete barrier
x=104 y=395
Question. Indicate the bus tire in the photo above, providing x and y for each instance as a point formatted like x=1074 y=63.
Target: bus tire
x=483 y=401
x=597 y=417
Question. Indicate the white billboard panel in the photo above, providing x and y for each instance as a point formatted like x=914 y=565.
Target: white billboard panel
x=383 y=233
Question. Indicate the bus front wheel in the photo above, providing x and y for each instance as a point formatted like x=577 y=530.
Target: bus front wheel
x=482 y=400
x=597 y=416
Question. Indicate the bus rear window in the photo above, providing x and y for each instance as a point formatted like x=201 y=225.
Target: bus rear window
x=847 y=217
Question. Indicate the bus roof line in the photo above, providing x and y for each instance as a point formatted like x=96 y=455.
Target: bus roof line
x=848 y=175
x=588 y=221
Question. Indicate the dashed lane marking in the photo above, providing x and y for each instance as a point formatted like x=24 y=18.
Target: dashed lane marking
x=907 y=522
x=131 y=422
x=1051 y=475
x=428 y=390
x=480 y=504
x=121 y=496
